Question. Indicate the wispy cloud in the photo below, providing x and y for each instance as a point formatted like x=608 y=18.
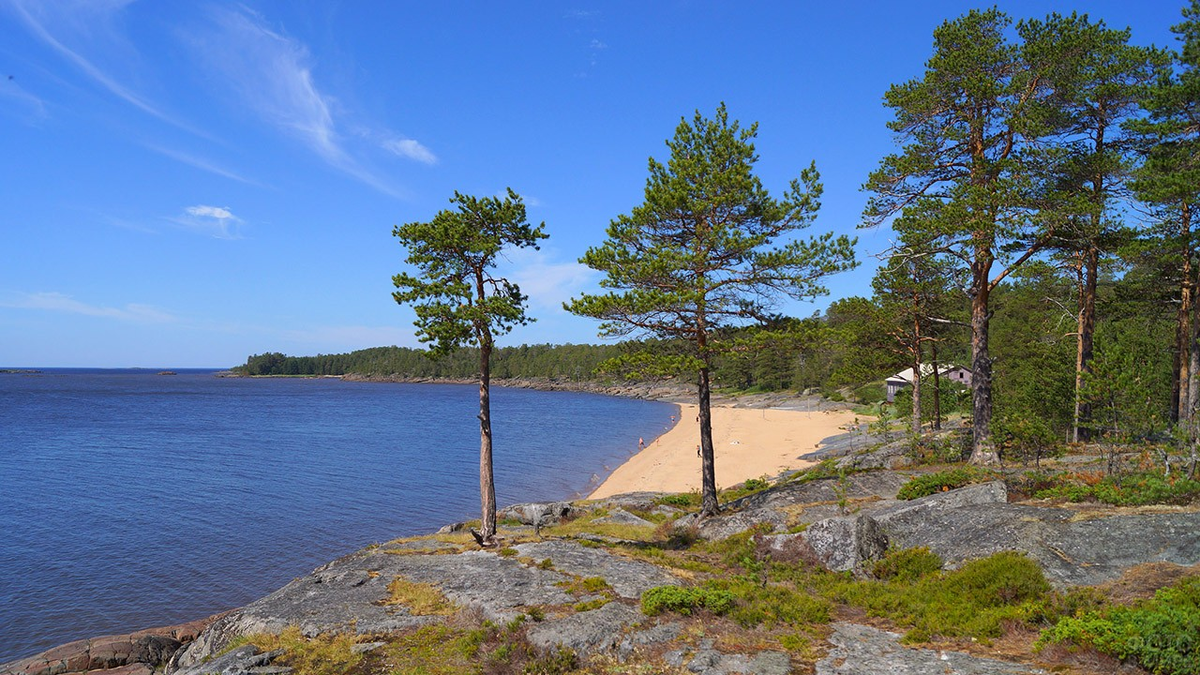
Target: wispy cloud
x=13 y=92
x=59 y=302
x=215 y=221
x=547 y=281
x=407 y=147
x=47 y=20
x=202 y=164
x=348 y=338
x=271 y=73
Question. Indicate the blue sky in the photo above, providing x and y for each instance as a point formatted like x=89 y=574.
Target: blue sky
x=185 y=184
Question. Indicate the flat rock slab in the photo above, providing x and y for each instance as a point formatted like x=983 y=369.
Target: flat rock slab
x=1071 y=551
x=862 y=650
x=779 y=504
x=349 y=593
x=499 y=587
x=587 y=632
x=628 y=578
x=245 y=660
x=708 y=661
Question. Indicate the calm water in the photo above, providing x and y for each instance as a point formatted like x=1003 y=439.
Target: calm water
x=130 y=500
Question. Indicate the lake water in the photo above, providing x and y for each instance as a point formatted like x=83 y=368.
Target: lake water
x=130 y=500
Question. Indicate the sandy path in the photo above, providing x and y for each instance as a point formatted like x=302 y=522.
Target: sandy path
x=748 y=443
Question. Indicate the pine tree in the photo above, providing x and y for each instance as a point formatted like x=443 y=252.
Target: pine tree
x=459 y=301
x=707 y=248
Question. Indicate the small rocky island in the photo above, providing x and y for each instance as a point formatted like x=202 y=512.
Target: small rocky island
x=866 y=563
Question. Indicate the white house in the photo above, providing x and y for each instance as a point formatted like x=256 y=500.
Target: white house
x=904 y=378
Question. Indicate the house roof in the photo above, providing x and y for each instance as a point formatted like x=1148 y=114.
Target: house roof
x=906 y=375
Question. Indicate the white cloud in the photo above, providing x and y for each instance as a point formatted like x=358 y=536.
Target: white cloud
x=272 y=74
x=59 y=302
x=597 y=44
x=201 y=164
x=215 y=221
x=56 y=23
x=548 y=282
x=13 y=92
x=407 y=147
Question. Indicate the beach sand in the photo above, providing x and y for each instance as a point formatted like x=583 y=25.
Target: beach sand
x=747 y=443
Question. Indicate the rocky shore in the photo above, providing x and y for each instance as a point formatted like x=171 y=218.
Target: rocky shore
x=571 y=578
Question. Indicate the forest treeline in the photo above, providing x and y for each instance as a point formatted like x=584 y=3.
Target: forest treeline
x=560 y=362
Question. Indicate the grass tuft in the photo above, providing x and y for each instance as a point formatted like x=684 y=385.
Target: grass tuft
x=324 y=655
x=420 y=599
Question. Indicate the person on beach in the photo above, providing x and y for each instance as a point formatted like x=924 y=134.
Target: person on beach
x=641 y=444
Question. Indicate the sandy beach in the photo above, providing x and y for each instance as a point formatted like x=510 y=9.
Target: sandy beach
x=748 y=443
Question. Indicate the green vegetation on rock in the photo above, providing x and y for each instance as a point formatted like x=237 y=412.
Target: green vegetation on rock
x=1162 y=634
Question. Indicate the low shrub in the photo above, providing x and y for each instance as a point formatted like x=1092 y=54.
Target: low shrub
x=975 y=600
x=683 y=500
x=1135 y=489
x=771 y=605
x=942 y=481
x=907 y=565
x=872 y=392
x=684 y=600
x=751 y=486
x=1162 y=635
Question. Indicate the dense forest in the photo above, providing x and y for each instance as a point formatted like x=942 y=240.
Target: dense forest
x=1042 y=197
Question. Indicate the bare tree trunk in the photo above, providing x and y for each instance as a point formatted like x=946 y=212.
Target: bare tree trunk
x=1193 y=386
x=983 y=451
x=1183 y=336
x=487 y=485
x=708 y=475
x=937 y=388
x=1188 y=412
x=916 y=381
x=1085 y=342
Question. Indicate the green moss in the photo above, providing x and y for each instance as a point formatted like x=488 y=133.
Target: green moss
x=585 y=586
x=436 y=650
x=591 y=604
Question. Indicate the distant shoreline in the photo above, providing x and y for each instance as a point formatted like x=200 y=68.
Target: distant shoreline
x=670 y=391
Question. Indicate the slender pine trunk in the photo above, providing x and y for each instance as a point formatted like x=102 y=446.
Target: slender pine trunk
x=983 y=450
x=937 y=388
x=916 y=383
x=1183 y=334
x=1085 y=342
x=487 y=485
x=708 y=475
x=1193 y=387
